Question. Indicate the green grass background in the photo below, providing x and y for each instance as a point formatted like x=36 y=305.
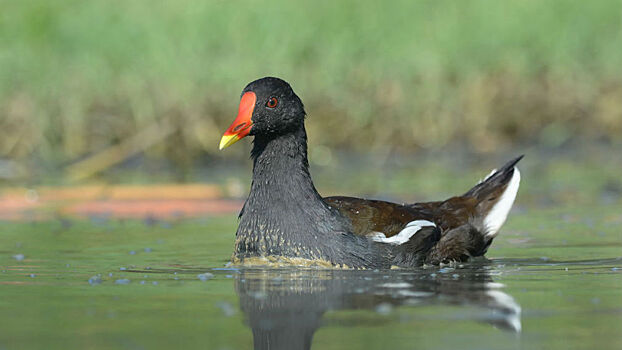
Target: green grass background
x=78 y=77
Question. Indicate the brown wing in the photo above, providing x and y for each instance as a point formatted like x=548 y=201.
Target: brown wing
x=369 y=216
x=448 y=214
x=461 y=220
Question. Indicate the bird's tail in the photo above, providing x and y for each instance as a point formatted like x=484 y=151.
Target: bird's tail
x=495 y=195
x=470 y=222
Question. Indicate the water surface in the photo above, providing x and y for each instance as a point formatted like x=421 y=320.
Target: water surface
x=552 y=281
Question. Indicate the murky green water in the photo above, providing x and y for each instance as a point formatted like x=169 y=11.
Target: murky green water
x=553 y=281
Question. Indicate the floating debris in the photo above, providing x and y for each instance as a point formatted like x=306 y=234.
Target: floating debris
x=258 y=295
x=97 y=279
x=227 y=309
x=32 y=275
x=132 y=252
x=232 y=269
x=205 y=276
x=396 y=285
x=19 y=257
x=384 y=308
x=148 y=250
x=414 y=294
x=122 y=268
x=122 y=281
x=150 y=220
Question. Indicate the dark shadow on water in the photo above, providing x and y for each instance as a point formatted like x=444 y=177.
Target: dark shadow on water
x=284 y=307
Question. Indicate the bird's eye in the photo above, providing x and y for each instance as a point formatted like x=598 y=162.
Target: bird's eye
x=272 y=102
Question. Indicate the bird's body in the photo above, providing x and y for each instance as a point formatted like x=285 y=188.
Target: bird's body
x=285 y=217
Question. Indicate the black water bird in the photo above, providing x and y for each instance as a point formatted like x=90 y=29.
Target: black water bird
x=285 y=218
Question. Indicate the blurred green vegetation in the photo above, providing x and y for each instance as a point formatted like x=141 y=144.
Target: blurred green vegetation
x=112 y=79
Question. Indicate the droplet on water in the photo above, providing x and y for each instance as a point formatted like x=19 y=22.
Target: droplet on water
x=205 y=276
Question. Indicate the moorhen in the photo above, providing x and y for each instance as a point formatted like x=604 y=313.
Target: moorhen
x=285 y=219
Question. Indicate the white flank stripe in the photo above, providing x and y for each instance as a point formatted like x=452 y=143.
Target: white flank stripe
x=404 y=235
x=496 y=217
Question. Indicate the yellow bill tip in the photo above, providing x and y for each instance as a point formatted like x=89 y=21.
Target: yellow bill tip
x=228 y=140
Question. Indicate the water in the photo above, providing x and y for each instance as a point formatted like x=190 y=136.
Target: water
x=553 y=281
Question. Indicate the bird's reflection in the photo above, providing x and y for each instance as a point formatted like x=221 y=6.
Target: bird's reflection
x=284 y=308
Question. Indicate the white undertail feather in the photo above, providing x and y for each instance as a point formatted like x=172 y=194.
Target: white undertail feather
x=508 y=307
x=405 y=234
x=497 y=215
x=488 y=176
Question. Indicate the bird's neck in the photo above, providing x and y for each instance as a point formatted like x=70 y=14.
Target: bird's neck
x=284 y=213
x=281 y=171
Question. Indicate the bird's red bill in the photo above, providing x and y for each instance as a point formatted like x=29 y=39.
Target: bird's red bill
x=241 y=126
